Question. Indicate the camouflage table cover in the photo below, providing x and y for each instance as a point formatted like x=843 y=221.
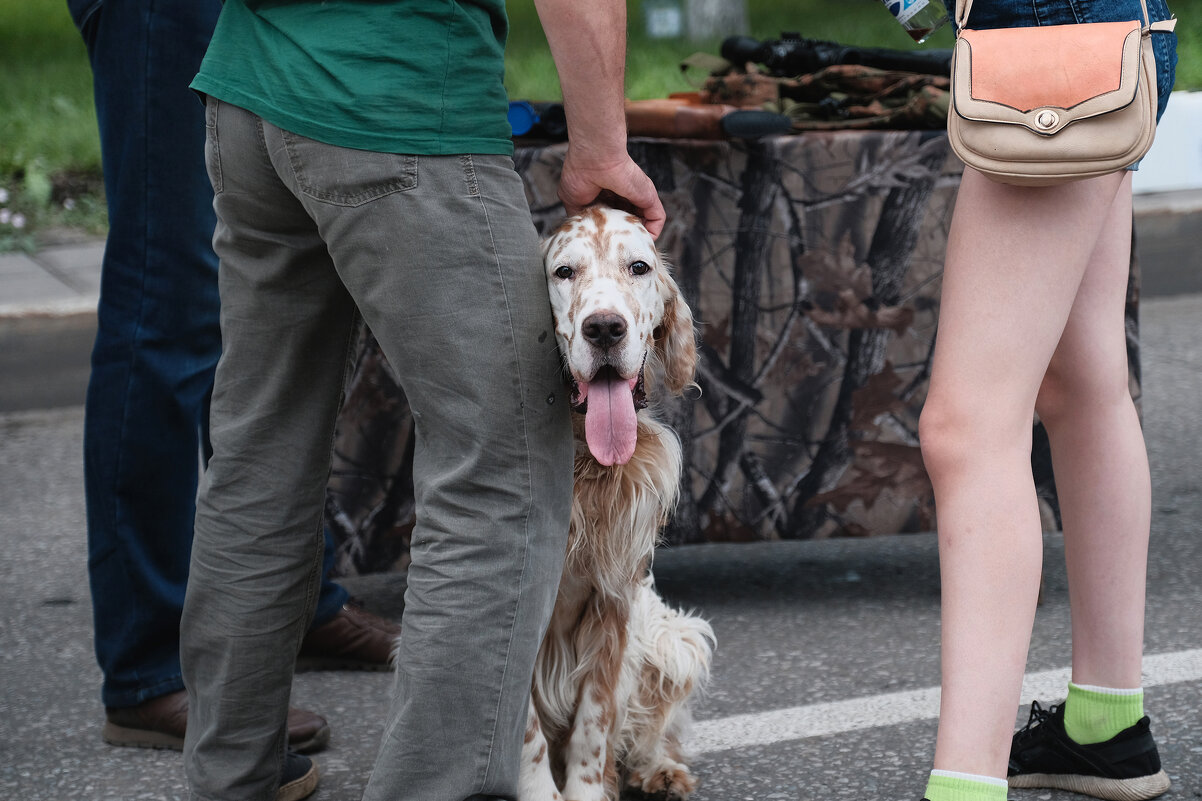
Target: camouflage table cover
x=812 y=263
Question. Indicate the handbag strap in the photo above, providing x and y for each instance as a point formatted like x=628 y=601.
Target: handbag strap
x=963 y=7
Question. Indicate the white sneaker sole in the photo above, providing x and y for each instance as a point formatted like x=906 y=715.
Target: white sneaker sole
x=1137 y=789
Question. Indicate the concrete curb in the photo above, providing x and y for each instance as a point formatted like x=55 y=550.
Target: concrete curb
x=48 y=324
x=55 y=279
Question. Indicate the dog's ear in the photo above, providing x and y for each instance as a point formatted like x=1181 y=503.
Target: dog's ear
x=676 y=340
x=551 y=239
x=548 y=241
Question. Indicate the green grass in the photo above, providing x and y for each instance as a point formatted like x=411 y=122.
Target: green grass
x=46 y=111
x=1189 y=44
x=49 y=148
x=653 y=64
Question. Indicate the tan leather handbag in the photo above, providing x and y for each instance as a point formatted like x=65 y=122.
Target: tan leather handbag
x=1045 y=105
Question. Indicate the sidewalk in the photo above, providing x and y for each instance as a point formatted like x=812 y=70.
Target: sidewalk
x=47 y=324
x=59 y=280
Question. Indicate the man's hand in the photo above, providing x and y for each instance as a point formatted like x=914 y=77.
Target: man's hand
x=620 y=183
x=588 y=43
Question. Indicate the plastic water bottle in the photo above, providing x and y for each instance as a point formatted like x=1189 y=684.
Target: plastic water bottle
x=920 y=18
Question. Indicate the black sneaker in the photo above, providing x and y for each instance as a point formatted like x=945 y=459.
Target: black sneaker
x=1124 y=768
x=299 y=778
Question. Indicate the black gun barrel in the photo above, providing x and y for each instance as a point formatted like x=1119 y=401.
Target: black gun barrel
x=792 y=55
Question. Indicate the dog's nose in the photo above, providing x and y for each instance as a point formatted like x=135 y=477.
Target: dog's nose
x=604 y=329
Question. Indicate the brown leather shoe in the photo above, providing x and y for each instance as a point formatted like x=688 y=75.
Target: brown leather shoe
x=354 y=639
x=160 y=723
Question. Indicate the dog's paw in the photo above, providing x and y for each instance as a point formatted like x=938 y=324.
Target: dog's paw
x=671 y=782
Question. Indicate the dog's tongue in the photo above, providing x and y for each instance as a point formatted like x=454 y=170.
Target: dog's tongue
x=609 y=424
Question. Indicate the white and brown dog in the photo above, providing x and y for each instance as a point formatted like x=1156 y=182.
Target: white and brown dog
x=617 y=666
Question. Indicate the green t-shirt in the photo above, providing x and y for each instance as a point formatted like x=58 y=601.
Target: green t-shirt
x=396 y=76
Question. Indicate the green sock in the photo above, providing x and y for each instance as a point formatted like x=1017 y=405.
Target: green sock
x=1095 y=714
x=946 y=785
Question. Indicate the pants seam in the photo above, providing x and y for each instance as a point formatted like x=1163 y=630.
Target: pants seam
x=517 y=603
x=313 y=588
x=131 y=356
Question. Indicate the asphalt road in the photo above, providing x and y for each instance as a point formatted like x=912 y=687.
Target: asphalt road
x=826 y=658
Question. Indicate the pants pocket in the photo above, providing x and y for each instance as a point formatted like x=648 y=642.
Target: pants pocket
x=344 y=176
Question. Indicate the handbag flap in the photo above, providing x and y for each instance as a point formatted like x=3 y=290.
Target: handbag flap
x=1046 y=77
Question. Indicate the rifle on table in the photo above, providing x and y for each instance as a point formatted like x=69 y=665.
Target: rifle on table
x=791 y=55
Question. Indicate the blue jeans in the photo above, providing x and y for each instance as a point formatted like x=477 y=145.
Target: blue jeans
x=158 y=338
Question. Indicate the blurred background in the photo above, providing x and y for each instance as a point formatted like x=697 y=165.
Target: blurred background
x=50 y=182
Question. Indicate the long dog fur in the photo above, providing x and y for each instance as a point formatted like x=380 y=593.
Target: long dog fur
x=617 y=666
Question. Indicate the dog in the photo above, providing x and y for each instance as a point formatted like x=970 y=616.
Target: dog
x=617 y=667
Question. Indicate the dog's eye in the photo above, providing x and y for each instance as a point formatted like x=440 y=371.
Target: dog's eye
x=640 y=268
x=564 y=271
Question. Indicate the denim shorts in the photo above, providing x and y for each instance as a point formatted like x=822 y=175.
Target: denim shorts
x=1025 y=13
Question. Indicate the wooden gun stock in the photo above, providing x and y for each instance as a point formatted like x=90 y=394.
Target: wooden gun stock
x=676 y=118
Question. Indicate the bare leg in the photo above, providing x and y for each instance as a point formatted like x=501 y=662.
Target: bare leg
x=1015 y=262
x=1101 y=467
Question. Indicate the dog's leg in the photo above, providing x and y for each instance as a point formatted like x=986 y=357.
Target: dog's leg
x=676 y=650
x=661 y=771
x=589 y=762
x=535 y=782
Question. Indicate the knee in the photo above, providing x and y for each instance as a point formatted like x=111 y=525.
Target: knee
x=944 y=434
x=1055 y=400
x=955 y=433
x=1071 y=393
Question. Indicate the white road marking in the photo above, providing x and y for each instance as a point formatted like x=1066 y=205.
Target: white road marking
x=816 y=720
